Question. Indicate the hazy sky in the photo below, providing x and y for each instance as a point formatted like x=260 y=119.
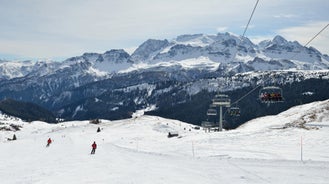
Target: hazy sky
x=58 y=29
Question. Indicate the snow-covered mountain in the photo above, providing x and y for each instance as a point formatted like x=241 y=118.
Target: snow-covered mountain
x=184 y=66
x=262 y=151
x=197 y=51
x=20 y=69
x=231 y=51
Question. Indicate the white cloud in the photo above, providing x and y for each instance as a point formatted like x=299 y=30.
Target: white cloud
x=39 y=49
x=306 y=32
x=130 y=50
x=285 y=16
x=221 y=29
x=257 y=39
x=41 y=28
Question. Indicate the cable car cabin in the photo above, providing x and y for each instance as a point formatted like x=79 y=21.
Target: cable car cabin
x=212 y=112
x=271 y=94
x=234 y=111
x=222 y=100
x=212 y=106
x=208 y=124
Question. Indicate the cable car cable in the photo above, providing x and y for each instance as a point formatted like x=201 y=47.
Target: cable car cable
x=246 y=94
x=316 y=35
x=290 y=59
x=311 y=40
x=253 y=11
x=244 y=32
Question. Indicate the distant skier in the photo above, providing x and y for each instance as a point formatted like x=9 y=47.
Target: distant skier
x=49 y=142
x=98 y=129
x=14 y=138
x=94 y=146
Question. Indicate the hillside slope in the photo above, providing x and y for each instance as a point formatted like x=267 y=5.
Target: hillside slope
x=138 y=151
x=26 y=111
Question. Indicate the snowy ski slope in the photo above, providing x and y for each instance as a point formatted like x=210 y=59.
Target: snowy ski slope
x=264 y=150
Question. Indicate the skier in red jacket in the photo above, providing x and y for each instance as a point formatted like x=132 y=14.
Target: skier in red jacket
x=49 y=142
x=94 y=146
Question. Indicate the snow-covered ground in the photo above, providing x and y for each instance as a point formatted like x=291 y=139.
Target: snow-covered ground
x=264 y=150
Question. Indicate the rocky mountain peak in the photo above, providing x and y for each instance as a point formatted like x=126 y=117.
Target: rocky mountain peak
x=114 y=56
x=279 y=40
x=148 y=49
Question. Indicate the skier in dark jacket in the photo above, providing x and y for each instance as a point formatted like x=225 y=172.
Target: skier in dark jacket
x=94 y=146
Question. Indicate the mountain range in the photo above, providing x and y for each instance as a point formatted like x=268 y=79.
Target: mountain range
x=160 y=75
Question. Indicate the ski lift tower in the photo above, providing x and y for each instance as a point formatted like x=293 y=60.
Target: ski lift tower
x=221 y=101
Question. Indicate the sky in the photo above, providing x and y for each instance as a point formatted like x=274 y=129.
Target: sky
x=56 y=30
